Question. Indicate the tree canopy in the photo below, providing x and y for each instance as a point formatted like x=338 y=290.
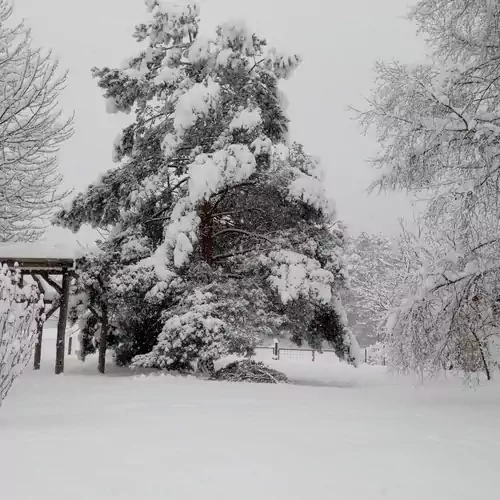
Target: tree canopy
x=437 y=125
x=31 y=132
x=220 y=230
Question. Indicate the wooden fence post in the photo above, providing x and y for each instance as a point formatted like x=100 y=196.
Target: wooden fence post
x=276 y=349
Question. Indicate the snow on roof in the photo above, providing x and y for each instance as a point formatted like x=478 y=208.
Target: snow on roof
x=37 y=250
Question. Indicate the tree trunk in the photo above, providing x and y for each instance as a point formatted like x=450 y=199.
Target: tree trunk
x=207 y=231
x=103 y=341
x=483 y=358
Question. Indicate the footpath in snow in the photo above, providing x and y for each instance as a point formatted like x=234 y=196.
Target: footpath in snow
x=335 y=433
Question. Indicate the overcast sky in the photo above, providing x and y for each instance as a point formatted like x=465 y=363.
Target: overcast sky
x=339 y=42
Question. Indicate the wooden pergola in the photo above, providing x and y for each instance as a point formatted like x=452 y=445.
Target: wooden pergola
x=45 y=265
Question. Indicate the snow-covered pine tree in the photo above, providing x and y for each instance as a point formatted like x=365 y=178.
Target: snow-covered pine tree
x=224 y=231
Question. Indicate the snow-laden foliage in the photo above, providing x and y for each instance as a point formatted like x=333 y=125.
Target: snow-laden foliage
x=377 y=273
x=127 y=300
x=211 y=321
x=221 y=231
x=376 y=354
x=21 y=310
x=31 y=131
x=450 y=318
x=437 y=124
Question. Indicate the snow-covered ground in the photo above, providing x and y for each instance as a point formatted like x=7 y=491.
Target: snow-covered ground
x=337 y=433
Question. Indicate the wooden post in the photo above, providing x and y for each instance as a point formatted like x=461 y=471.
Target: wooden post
x=70 y=345
x=103 y=340
x=39 y=329
x=61 y=324
x=38 y=346
x=313 y=355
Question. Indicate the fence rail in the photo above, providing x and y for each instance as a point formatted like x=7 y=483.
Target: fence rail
x=293 y=352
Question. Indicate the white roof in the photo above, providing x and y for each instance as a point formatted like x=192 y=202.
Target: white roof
x=37 y=250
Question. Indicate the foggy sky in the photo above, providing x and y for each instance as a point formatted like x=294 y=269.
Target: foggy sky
x=338 y=41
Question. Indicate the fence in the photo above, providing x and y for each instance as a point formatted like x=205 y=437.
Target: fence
x=300 y=353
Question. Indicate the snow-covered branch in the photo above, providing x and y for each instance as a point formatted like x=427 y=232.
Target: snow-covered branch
x=438 y=126
x=31 y=132
x=20 y=314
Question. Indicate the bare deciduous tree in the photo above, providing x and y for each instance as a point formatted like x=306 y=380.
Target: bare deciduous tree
x=31 y=132
x=450 y=319
x=438 y=127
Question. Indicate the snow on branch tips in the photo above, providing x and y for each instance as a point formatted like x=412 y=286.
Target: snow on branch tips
x=212 y=173
x=246 y=119
x=197 y=101
x=194 y=103
x=312 y=191
x=437 y=128
x=294 y=275
x=31 y=132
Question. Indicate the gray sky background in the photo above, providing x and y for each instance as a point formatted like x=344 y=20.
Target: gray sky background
x=339 y=42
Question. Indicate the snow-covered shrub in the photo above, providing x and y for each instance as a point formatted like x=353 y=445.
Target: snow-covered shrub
x=138 y=301
x=213 y=318
x=20 y=312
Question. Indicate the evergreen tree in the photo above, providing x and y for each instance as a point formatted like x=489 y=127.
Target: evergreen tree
x=220 y=233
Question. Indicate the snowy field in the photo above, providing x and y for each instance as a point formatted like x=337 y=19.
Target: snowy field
x=336 y=433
